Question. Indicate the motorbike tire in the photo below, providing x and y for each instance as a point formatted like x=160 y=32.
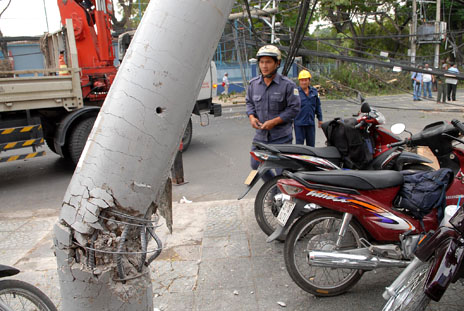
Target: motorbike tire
x=307 y=234
x=267 y=206
x=19 y=295
x=410 y=296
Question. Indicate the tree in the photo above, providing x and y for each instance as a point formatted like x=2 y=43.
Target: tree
x=126 y=10
x=355 y=18
x=3 y=44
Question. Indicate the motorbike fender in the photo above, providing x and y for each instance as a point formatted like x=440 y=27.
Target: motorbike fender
x=444 y=269
x=410 y=158
x=262 y=169
x=280 y=230
x=283 y=164
x=7 y=271
x=426 y=249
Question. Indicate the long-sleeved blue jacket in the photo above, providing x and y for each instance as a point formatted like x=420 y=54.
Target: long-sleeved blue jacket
x=310 y=107
x=279 y=99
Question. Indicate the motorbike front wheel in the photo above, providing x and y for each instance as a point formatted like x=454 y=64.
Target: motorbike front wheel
x=268 y=202
x=410 y=296
x=318 y=230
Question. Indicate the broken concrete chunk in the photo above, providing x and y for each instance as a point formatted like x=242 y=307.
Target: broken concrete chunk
x=62 y=235
x=75 y=201
x=68 y=214
x=102 y=194
x=98 y=202
x=97 y=225
x=90 y=218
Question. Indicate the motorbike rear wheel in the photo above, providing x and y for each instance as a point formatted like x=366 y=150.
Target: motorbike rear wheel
x=410 y=296
x=19 y=295
x=318 y=230
x=268 y=202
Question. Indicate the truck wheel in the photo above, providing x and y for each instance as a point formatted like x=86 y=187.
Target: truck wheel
x=187 y=138
x=78 y=138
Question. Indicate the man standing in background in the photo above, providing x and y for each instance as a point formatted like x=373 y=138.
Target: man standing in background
x=452 y=83
x=225 y=83
x=417 y=84
x=441 y=86
x=427 y=82
x=310 y=107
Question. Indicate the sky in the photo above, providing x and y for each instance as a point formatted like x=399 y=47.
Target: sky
x=28 y=18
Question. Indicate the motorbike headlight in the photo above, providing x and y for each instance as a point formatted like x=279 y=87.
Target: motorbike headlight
x=290 y=190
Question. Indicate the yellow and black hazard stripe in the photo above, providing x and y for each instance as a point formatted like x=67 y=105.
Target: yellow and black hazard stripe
x=22 y=156
x=21 y=129
x=21 y=144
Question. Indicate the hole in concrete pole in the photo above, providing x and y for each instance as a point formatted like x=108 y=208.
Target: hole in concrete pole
x=159 y=110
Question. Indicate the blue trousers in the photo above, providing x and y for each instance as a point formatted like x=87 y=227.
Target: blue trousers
x=254 y=164
x=417 y=87
x=427 y=89
x=307 y=132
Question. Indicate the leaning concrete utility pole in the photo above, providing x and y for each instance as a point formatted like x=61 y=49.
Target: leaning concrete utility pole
x=105 y=221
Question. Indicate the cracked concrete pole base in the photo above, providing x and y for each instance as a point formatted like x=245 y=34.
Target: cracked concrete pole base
x=105 y=220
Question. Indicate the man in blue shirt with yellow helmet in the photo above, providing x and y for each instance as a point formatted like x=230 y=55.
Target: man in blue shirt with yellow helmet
x=310 y=107
x=272 y=102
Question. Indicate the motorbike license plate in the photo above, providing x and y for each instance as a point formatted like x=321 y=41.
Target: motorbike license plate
x=250 y=177
x=285 y=211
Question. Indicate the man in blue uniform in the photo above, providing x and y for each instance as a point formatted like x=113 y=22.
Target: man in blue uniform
x=272 y=102
x=310 y=106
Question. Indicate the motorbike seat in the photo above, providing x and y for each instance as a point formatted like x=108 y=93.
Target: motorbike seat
x=359 y=180
x=330 y=152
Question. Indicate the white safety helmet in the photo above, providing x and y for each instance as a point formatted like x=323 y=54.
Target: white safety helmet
x=269 y=50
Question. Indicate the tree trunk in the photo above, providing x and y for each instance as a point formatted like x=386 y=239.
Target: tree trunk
x=105 y=217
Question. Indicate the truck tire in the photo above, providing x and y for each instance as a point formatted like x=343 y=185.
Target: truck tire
x=78 y=138
x=187 y=138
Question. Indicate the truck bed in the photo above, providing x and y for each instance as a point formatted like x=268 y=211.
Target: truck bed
x=38 y=92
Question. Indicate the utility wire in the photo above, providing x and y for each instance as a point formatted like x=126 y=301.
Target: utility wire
x=251 y=22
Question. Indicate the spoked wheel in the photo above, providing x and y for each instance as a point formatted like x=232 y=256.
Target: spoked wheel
x=21 y=296
x=268 y=203
x=411 y=296
x=318 y=230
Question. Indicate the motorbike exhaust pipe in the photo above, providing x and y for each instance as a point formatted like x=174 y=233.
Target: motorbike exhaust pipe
x=352 y=261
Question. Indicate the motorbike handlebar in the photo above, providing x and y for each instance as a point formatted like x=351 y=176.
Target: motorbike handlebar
x=457 y=124
x=399 y=143
x=360 y=124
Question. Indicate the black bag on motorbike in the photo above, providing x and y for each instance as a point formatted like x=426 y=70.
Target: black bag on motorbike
x=423 y=191
x=355 y=145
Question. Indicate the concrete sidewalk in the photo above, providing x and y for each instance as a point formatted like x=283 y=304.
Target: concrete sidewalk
x=216 y=259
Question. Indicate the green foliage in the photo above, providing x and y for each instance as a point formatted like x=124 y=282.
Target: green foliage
x=350 y=77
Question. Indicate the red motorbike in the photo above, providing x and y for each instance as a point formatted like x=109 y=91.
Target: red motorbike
x=438 y=263
x=350 y=224
x=295 y=158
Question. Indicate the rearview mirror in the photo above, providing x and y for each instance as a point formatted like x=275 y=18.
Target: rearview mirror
x=398 y=128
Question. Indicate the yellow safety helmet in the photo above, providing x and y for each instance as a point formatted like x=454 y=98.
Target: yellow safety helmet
x=269 y=50
x=304 y=74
